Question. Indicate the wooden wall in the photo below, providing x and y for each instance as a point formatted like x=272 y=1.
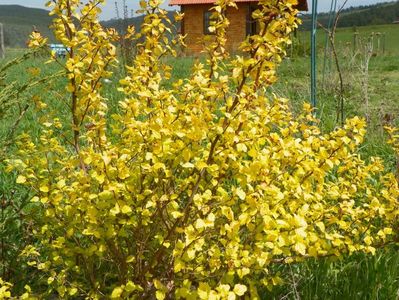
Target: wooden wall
x=194 y=26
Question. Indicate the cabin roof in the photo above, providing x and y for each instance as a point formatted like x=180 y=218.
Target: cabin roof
x=183 y=2
x=302 y=4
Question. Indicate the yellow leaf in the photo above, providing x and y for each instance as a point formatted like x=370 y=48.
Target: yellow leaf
x=115 y=210
x=300 y=248
x=388 y=230
x=158 y=285
x=241 y=194
x=35 y=199
x=158 y=166
x=160 y=295
x=240 y=289
x=61 y=184
x=105 y=195
x=203 y=291
x=231 y=296
x=191 y=253
x=242 y=147
x=321 y=226
x=201 y=165
x=106 y=159
x=21 y=179
x=70 y=88
x=176 y=214
x=178 y=265
x=253 y=153
x=130 y=259
x=44 y=188
x=117 y=292
x=130 y=286
x=73 y=291
x=368 y=240
x=187 y=165
x=200 y=224
x=126 y=209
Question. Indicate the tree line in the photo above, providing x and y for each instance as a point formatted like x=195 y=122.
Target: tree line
x=377 y=14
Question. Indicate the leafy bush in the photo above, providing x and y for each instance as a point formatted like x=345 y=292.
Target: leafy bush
x=193 y=191
x=14 y=200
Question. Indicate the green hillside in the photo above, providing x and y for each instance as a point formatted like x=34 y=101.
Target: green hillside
x=18 y=23
x=366 y=15
x=121 y=25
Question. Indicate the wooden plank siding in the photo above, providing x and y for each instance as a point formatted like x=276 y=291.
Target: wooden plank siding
x=193 y=26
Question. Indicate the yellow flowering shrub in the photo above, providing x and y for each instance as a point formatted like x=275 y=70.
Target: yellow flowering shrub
x=194 y=188
x=5 y=289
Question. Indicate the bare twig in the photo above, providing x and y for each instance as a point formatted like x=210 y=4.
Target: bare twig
x=331 y=37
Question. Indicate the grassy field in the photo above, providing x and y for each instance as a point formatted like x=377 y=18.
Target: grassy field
x=381 y=88
x=345 y=37
x=356 y=277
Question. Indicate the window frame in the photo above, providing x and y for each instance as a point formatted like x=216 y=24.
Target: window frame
x=251 y=23
x=207 y=19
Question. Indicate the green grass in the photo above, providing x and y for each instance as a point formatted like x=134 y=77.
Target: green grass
x=356 y=277
x=359 y=276
x=345 y=37
x=383 y=83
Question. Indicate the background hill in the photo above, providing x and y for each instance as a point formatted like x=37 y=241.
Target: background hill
x=378 y=14
x=121 y=24
x=18 y=23
x=19 y=20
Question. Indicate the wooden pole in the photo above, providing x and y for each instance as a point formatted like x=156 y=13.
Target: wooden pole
x=383 y=43
x=378 y=42
x=355 y=41
x=2 y=49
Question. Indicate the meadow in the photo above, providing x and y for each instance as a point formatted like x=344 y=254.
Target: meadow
x=379 y=85
x=357 y=277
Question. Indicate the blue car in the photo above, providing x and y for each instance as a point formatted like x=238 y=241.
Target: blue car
x=59 y=49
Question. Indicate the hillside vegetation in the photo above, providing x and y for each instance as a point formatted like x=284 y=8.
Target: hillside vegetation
x=19 y=21
x=378 y=14
x=122 y=24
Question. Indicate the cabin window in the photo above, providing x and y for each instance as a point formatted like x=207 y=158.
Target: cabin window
x=252 y=25
x=207 y=21
x=182 y=25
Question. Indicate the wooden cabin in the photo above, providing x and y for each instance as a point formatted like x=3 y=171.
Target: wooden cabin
x=197 y=20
